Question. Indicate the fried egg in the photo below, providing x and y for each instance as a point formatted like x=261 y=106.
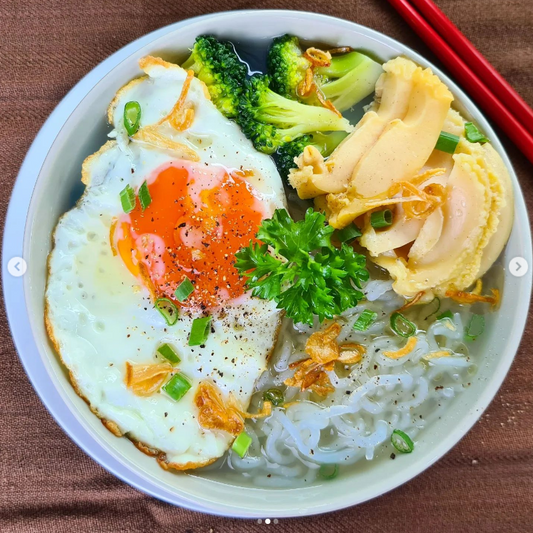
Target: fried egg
x=209 y=192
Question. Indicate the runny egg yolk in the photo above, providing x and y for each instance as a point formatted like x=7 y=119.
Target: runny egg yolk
x=199 y=217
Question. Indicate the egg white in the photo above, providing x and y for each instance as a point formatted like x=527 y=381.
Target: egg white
x=99 y=315
x=216 y=139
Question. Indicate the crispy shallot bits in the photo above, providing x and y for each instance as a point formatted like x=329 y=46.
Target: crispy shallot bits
x=324 y=351
x=144 y=380
x=216 y=413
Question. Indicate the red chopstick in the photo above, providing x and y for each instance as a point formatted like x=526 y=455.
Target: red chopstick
x=475 y=60
x=479 y=92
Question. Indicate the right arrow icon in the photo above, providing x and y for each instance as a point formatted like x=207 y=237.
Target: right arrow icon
x=518 y=267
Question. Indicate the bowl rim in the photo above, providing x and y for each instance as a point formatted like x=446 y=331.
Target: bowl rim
x=14 y=288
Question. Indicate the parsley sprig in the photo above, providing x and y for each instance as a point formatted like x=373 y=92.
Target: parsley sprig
x=305 y=274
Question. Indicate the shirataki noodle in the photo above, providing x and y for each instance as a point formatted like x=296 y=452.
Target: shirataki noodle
x=371 y=399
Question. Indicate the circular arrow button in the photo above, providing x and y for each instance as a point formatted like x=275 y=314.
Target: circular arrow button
x=518 y=267
x=17 y=267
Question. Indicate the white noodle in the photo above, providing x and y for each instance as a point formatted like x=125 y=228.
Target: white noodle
x=371 y=398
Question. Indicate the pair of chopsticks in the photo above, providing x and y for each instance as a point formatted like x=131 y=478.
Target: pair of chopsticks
x=480 y=79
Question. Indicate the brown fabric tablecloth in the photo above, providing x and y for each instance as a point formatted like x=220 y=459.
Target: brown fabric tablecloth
x=47 y=483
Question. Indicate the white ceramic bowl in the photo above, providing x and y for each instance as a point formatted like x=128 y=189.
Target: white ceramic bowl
x=49 y=181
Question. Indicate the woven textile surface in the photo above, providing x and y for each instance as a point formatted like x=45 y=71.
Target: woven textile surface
x=47 y=484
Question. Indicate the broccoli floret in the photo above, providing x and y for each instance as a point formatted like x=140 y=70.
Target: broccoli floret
x=288 y=152
x=346 y=81
x=350 y=78
x=286 y=65
x=270 y=120
x=217 y=64
x=265 y=137
x=325 y=143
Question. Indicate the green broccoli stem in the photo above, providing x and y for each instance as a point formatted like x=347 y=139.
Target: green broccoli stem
x=191 y=64
x=282 y=112
x=354 y=86
x=325 y=143
x=341 y=65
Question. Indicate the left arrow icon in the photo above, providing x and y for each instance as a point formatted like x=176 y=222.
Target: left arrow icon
x=17 y=267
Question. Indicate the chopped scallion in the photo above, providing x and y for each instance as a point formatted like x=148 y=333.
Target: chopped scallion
x=401 y=441
x=132 y=117
x=349 y=233
x=401 y=325
x=168 y=310
x=177 y=386
x=475 y=327
x=381 y=219
x=447 y=142
x=166 y=351
x=144 y=196
x=433 y=307
x=127 y=199
x=199 y=331
x=446 y=314
x=328 y=471
x=274 y=396
x=184 y=290
x=364 y=320
x=473 y=135
x=241 y=444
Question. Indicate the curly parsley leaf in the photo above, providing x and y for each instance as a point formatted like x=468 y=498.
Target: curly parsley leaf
x=305 y=274
x=264 y=275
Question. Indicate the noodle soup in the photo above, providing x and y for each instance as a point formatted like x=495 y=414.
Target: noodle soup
x=299 y=263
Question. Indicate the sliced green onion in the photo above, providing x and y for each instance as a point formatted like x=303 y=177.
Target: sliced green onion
x=177 y=386
x=402 y=442
x=433 y=306
x=381 y=219
x=475 y=327
x=184 y=290
x=328 y=471
x=127 y=199
x=132 y=117
x=401 y=325
x=144 y=196
x=446 y=314
x=168 y=310
x=166 y=351
x=473 y=135
x=274 y=396
x=364 y=320
x=447 y=142
x=199 y=331
x=349 y=233
x=241 y=444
